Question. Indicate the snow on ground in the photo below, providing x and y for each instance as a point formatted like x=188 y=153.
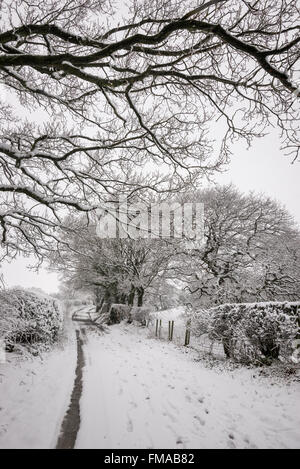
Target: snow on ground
x=180 y=317
x=170 y=314
x=141 y=392
x=34 y=395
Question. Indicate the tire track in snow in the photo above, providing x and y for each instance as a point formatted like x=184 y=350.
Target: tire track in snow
x=71 y=422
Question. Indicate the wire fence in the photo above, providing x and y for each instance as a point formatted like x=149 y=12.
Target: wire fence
x=181 y=332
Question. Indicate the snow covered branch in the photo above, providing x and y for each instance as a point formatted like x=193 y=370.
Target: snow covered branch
x=119 y=97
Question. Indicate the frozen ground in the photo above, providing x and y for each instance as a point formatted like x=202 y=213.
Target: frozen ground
x=140 y=392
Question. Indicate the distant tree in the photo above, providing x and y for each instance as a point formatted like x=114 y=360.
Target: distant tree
x=115 y=270
x=251 y=250
x=279 y=270
x=164 y=294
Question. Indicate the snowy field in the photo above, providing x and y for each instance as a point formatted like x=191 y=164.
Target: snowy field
x=140 y=392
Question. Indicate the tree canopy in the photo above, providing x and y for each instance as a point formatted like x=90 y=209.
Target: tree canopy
x=131 y=98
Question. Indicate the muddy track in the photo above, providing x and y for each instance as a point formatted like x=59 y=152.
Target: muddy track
x=71 y=422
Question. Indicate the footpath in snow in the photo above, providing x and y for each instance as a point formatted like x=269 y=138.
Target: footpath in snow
x=139 y=392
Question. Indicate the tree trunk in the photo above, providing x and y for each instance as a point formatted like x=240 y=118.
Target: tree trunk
x=227 y=348
x=110 y=297
x=140 y=294
x=131 y=296
x=123 y=298
x=99 y=298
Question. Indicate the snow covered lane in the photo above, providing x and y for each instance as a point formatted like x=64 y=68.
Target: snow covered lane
x=145 y=393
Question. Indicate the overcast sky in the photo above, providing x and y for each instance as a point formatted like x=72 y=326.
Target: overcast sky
x=264 y=168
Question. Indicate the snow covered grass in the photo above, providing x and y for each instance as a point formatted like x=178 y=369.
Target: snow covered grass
x=141 y=392
x=34 y=395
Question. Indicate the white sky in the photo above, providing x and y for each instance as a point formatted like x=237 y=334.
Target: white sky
x=264 y=168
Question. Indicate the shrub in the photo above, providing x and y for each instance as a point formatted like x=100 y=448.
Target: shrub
x=201 y=322
x=140 y=314
x=118 y=312
x=28 y=317
x=251 y=331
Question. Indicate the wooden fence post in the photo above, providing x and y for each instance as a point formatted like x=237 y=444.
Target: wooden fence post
x=172 y=330
x=156 y=328
x=159 y=329
x=187 y=333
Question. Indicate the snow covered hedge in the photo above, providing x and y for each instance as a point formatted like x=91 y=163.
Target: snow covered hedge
x=140 y=314
x=251 y=332
x=118 y=312
x=28 y=317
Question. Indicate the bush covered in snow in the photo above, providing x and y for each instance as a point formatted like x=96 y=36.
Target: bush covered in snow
x=201 y=322
x=28 y=317
x=140 y=314
x=252 y=332
x=118 y=312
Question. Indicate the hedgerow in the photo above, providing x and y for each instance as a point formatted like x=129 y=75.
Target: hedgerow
x=251 y=332
x=28 y=318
